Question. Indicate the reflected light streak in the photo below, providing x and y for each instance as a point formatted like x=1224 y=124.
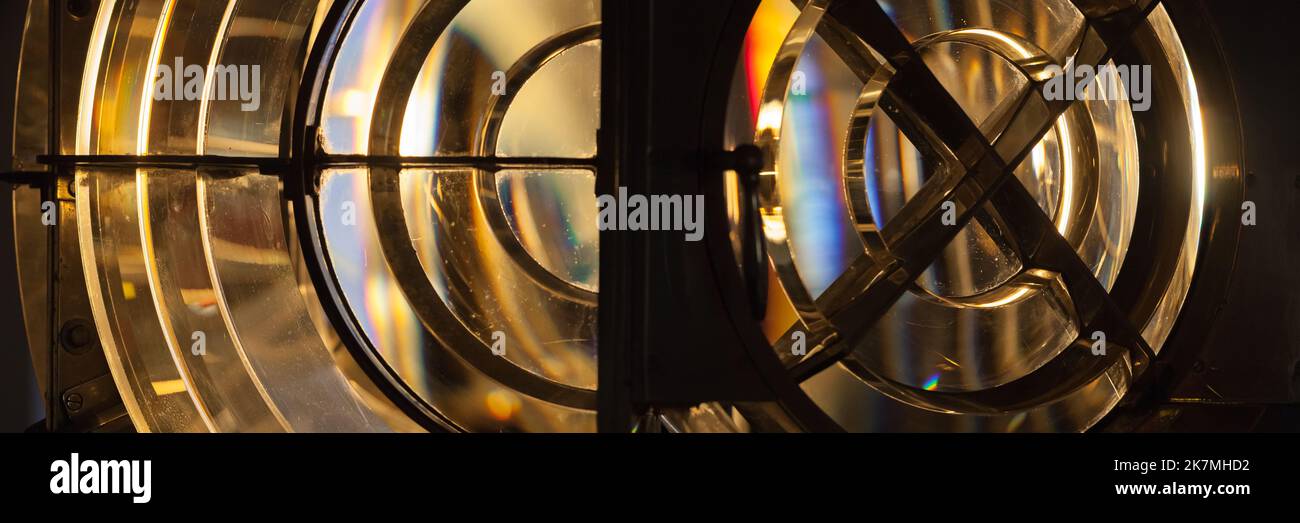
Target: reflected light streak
x=200 y=142
x=90 y=76
x=1067 y=174
x=1198 y=156
x=151 y=72
x=1007 y=300
x=1020 y=50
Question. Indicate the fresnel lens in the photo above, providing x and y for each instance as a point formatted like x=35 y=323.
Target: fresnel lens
x=348 y=215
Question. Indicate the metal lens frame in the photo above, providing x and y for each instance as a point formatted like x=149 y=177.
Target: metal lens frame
x=1137 y=314
x=384 y=165
x=133 y=178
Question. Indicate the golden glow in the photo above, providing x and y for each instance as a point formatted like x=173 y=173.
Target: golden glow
x=1067 y=175
x=769 y=118
x=355 y=103
x=1021 y=51
x=90 y=76
x=163 y=388
x=1039 y=158
x=421 y=109
x=151 y=73
x=1007 y=300
x=774 y=225
x=501 y=404
x=767 y=31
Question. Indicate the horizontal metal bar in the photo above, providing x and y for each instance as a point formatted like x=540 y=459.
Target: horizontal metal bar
x=265 y=163
x=275 y=165
x=489 y=163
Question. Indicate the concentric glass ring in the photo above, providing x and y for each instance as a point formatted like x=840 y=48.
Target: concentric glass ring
x=484 y=237
x=449 y=275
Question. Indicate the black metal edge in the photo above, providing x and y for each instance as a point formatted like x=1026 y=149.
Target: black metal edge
x=49 y=190
x=615 y=412
x=988 y=152
x=1221 y=228
x=731 y=287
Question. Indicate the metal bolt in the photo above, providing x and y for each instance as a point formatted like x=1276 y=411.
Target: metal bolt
x=78 y=336
x=73 y=401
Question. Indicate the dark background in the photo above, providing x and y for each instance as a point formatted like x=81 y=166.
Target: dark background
x=20 y=401
x=1252 y=354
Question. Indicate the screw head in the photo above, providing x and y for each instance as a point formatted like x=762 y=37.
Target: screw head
x=73 y=401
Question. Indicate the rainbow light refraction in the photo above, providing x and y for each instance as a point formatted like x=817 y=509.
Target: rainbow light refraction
x=812 y=125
